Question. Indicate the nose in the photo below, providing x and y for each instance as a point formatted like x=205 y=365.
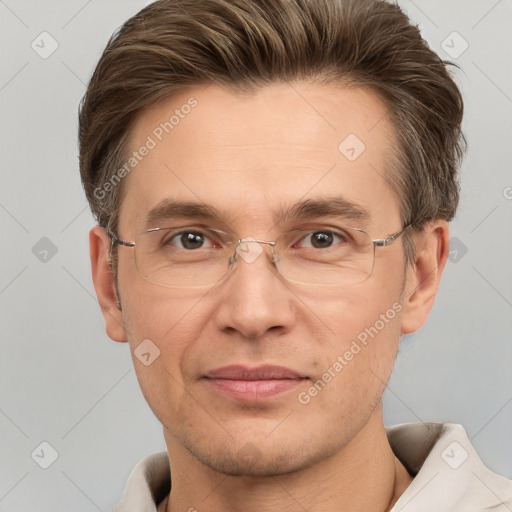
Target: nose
x=256 y=299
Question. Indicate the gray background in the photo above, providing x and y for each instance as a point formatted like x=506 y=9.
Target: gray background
x=64 y=382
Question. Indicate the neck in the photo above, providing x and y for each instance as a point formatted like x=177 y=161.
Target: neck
x=363 y=476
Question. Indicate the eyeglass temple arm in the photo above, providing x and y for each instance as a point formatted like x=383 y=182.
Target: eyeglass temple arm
x=383 y=242
x=124 y=242
x=118 y=241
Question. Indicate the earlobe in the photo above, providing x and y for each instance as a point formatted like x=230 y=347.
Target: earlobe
x=424 y=275
x=103 y=279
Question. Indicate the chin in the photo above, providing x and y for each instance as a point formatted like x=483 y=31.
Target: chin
x=259 y=460
x=266 y=466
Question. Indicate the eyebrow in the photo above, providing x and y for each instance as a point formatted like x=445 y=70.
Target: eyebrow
x=309 y=209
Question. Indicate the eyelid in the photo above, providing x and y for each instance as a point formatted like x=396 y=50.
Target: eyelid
x=191 y=227
x=324 y=227
x=319 y=225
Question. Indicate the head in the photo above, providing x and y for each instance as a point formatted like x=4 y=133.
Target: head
x=266 y=114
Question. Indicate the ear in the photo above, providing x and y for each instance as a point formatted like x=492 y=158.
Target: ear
x=103 y=279
x=424 y=275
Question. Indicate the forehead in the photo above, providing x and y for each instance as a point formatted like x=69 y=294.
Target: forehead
x=250 y=156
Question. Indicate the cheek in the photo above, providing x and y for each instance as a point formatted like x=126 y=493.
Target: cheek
x=346 y=313
x=170 y=319
x=165 y=326
x=152 y=311
x=353 y=375
x=363 y=326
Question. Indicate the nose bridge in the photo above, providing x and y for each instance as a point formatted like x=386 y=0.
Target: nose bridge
x=256 y=301
x=250 y=249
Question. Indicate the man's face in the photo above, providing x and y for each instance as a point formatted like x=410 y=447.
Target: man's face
x=250 y=157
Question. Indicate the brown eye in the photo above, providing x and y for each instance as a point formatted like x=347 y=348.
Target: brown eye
x=190 y=240
x=321 y=240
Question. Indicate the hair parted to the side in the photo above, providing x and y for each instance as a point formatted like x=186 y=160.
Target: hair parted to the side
x=245 y=44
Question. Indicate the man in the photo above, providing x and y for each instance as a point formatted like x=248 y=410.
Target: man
x=273 y=183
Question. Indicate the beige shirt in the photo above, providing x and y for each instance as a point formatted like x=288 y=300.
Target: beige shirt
x=448 y=474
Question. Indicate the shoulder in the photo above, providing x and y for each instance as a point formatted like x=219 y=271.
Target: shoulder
x=148 y=484
x=449 y=476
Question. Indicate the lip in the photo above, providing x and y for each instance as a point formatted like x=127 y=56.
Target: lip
x=253 y=384
x=264 y=372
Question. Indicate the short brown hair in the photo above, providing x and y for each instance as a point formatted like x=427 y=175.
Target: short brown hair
x=245 y=44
